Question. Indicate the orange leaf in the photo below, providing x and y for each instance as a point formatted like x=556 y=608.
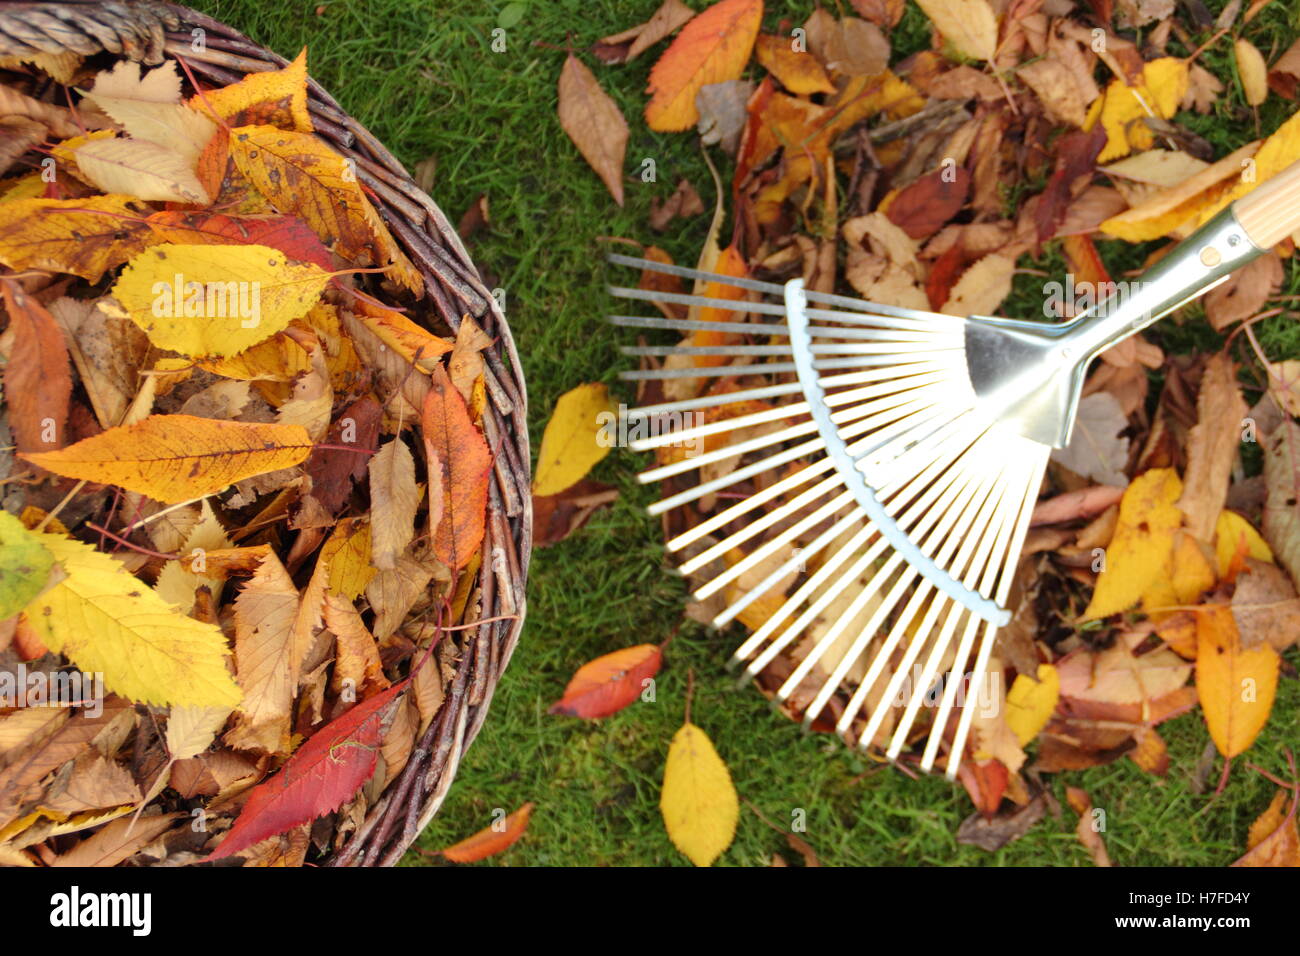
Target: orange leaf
x=452 y=440
x=37 y=382
x=713 y=48
x=609 y=683
x=1236 y=687
x=491 y=840
x=798 y=71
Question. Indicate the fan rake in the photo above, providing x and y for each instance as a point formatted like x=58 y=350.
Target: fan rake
x=888 y=472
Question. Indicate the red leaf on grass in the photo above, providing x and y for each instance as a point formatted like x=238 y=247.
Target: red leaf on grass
x=466 y=461
x=289 y=234
x=491 y=840
x=37 y=382
x=609 y=683
x=921 y=208
x=322 y=774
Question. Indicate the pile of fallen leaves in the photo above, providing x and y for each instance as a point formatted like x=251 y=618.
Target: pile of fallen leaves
x=1160 y=571
x=244 y=496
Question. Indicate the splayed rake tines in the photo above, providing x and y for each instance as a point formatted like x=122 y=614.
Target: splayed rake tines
x=888 y=388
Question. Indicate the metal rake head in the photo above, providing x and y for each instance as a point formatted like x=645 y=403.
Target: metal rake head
x=873 y=511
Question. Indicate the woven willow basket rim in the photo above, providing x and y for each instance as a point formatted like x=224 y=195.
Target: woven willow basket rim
x=149 y=32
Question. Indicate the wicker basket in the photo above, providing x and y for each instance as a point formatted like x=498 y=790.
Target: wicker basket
x=149 y=31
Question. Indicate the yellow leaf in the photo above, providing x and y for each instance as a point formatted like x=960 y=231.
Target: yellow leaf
x=1175 y=205
x=1236 y=687
x=1030 y=702
x=1228 y=532
x=1278 y=152
x=969 y=25
x=174 y=458
x=272 y=97
x=403 y=336
x=105 y=620
x=698 y=801
x=84 y=237
x=1252 y=70
x=1164 y=82
x=712 y=48
x=276 y=359
x=798 y=70
x=1187 y=574
x=302 y=176
x=213 y=299
x=347 y=552
x=576 y=438
x=1139 y=553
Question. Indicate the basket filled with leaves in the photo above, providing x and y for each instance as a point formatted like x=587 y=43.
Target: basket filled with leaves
x=266 y=518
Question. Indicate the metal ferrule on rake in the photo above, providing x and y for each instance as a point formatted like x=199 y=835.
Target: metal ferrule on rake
x=901 y=453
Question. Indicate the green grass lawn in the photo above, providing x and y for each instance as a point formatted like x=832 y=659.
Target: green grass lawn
x=423 y=78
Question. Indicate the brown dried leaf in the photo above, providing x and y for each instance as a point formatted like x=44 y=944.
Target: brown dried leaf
x=594 y=123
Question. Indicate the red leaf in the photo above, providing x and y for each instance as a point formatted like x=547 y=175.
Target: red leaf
x=609 y=683
x=944 y=273
x=37 y=382
x=1076 y=162
x=322 y=774
x=289 y=234
x=332 y=470
x=985 y=783
x=465 y=461
x=921 y=208
x=490 y=840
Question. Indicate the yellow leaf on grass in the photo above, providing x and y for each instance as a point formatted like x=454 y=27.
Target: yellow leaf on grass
x=1229 y=531
x=106 y=620
x=1140 y=550
x=174 y=458
x=578 y=436
x=970 y=26
x=1123 y=107
x=1236 y=687
x=1030 y=702
x=712 y=48
x=216 y=300
x=1252 y=70
x=698 y=801
x=271 y=97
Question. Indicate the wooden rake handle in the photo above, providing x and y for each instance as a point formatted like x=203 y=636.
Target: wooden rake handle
x=1271 y=211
